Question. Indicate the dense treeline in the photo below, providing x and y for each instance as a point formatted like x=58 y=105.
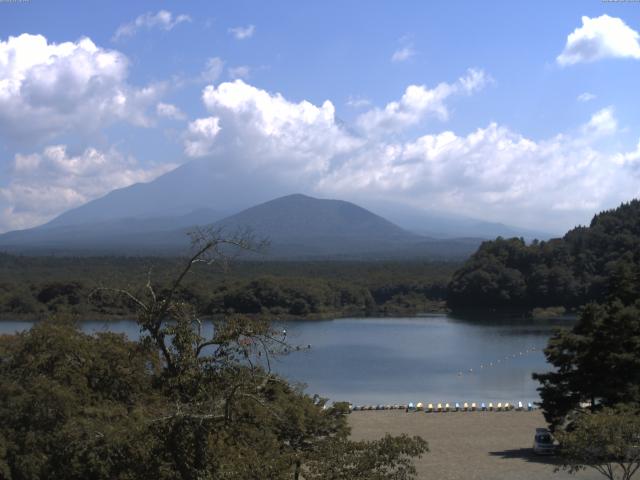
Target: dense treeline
x=591 y=263
x=40 y=286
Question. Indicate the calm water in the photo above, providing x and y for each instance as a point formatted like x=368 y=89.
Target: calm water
x=398 y=360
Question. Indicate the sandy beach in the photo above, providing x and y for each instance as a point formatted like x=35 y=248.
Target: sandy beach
x=468 y=445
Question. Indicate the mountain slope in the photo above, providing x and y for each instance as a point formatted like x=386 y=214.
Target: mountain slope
x=126 y=235
x=218 y=185
x=301 y=225
x=438 y=225
x=194 y=185
x=297 y=226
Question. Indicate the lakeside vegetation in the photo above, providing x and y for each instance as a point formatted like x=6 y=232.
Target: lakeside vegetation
x=588 y=264
x=35 y=287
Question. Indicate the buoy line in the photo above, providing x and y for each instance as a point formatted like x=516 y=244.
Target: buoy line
x=495 y=363
x=447 y=407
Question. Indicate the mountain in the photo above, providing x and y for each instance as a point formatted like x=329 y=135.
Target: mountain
x=297 y=226
x=126 y=235
x=439 y=225
x=302 y=226
x=219 y=186
x=153 y=218
x=192 y=186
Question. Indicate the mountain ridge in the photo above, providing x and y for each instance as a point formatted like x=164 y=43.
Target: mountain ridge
x=298 y=226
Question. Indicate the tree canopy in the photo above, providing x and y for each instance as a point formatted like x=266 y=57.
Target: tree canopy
x=596 y=362
x=593 y=263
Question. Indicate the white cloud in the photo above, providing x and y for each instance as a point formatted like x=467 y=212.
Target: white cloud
x=167 y=110
x=163 y=19
x=212 y=70
x=603 y=122
x=631 y=159
x=48 y=88
x=403 y=54
x=598 y=38
x=242 y=33
x=419 y=101
x=43 y=185
x=261 y=130
x=241 y=71
x=493 y=173
x=586 y=97
x=200 y=136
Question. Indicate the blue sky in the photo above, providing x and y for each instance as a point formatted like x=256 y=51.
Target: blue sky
x=510 y=119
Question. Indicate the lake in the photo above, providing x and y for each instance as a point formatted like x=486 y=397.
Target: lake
x=435 y=358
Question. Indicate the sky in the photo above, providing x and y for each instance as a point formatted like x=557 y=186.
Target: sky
x=524 y=113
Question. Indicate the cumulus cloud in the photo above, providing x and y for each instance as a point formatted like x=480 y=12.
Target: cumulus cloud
x=493 y=173
x=48 y=88
x=163 y=20
x=419 y=101
x=242 y=33
x=603 y=122
x=45 y=184
x=170 y=111
x=265 y=131
x=403 y=54
x=598 y=38
x=241 y=71
x=200 y=136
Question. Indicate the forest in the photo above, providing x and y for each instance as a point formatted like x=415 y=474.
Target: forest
x=590 y=263
x=36 y=287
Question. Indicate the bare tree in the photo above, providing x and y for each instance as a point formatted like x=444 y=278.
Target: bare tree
x=196 y=352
